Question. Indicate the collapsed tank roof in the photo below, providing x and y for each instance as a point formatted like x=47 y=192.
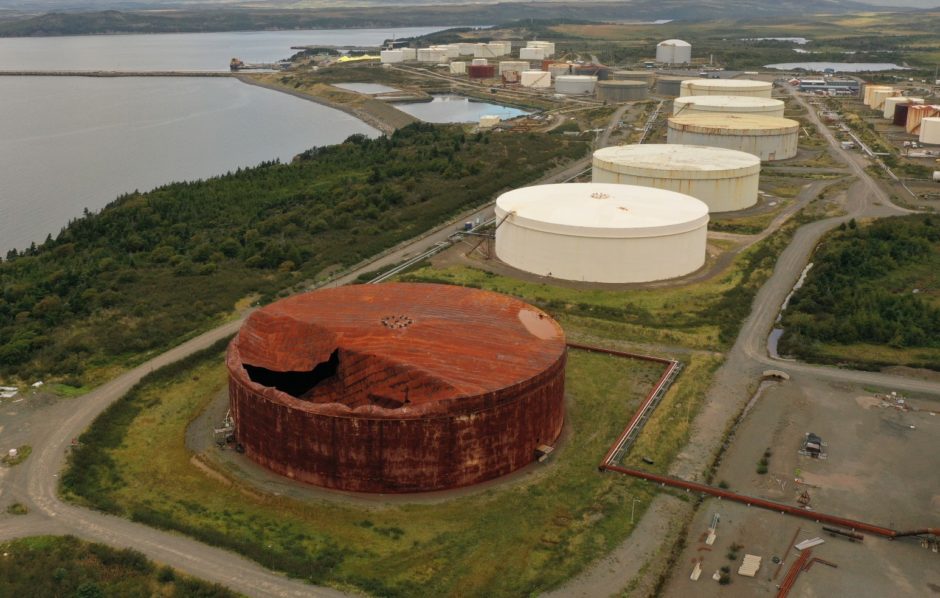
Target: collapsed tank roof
x=435 y=345
x=689 y=161
x=603 y=210
x=741 y=124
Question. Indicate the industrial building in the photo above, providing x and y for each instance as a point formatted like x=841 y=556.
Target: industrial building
x=599 y=232
x=397 y=387
x=726 y=87
x=622 y=91
x=673 y=51
x=766 y=137
x=728 y=105
x=575 y=84
x=829 y=86
x=724 y=179
x=930 y=130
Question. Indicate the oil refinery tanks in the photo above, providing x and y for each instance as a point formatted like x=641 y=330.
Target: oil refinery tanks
x=481 y=71
x=575 y=84
x=878 y=96
x=669 y=86
x=548 y=48
x=518 y=66
x=726 y=87
x=728 y=105
x=766 y=137
x=458 y=67
x=870 y=89
x=673 y=51
x=621 y=91
x=536 y=79
x=916 y=114
x=391 y=56
x=532 y=53
x=894 y=101
x=396 y=387
x=930 y=130
x=601 y=232
x=724 y=179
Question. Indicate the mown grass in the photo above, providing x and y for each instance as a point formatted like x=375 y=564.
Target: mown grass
x=513 y=539
x=67 y=566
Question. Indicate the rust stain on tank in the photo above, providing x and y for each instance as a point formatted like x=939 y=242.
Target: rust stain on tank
x=397 y=387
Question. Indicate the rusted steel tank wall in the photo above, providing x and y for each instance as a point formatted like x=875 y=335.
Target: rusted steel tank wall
x=408 y=455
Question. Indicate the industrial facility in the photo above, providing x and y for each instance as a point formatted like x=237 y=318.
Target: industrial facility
x=673 y=51
x=766 y=137
x=726 y=87
x=575 y=84
x=724 y=179
x=601 y=232
x=397 y=387
x=728 y=105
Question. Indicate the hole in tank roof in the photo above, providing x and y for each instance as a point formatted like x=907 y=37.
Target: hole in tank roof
x=599 y=195
x=396 y=322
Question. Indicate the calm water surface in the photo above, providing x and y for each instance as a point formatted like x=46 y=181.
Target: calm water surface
x=70 y=143
x=456 y=109
x=178 y=51
x=77 y=143
x=839 y=67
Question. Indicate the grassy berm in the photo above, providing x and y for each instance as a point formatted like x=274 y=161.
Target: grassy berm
x=66 y=566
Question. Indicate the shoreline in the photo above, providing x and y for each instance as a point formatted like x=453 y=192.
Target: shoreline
x=371 y=111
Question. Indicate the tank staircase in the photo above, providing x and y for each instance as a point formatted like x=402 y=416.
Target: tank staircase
x=651 y=122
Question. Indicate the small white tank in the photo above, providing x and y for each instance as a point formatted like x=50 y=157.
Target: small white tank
x=930 y=130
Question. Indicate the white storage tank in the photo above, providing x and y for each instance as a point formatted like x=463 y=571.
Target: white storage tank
x=532 y=53
x=479 y=61
x=728 y=105
x=391 y=56
x=485 y=51
x=434 y=55
x=878 y=97
x=548 y=48
x=537 y=79
x=458 y=67
x=621 y=91
x=870 y=89
x=466 y=48
x=560 y=68
x=930 y=130
x=409 y=53
x=449 y=50
x=724 y=179
x=575 y=84
x=892 y=102
x=600 y=232
x=766 y=137
x=518 y=66
x=674 y=51
x=505 y=47
x=726 y=87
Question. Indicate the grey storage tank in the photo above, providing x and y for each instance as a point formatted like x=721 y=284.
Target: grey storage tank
x=621 y=91
x=669 y=86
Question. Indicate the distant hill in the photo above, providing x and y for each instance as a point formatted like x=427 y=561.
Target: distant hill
x=229 y=18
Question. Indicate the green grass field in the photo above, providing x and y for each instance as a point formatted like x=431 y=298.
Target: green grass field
x=511 y=539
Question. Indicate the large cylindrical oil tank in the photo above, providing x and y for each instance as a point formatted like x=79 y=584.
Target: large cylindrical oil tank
x=536 y=79
x=621 y=91
x=724 y=179
x=870 y=88
x=893 y=101
x=396 y=387
x=916 y=114
x=673 y=51
x=481 y=71
x=645 y=76
x=669 y=86
x=518 y=66
x=601 y=232
x=728 y=105
x=726 y=87
x=766 y=137
x=575 y=84
x=930 y=130
x=878 y=97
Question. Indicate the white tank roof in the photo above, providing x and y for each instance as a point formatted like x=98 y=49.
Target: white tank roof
x=677 y=161
x=733 y=124
x=731 y=103
x=602 y=210
x=674 y=42
x=727 y=84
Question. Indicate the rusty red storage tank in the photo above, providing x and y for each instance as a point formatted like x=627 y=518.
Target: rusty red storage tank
x=397 y=387
x=481 y=71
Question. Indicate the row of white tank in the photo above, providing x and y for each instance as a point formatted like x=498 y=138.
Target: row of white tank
x=534 y=50
x=921 y=119
x=644 y=217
